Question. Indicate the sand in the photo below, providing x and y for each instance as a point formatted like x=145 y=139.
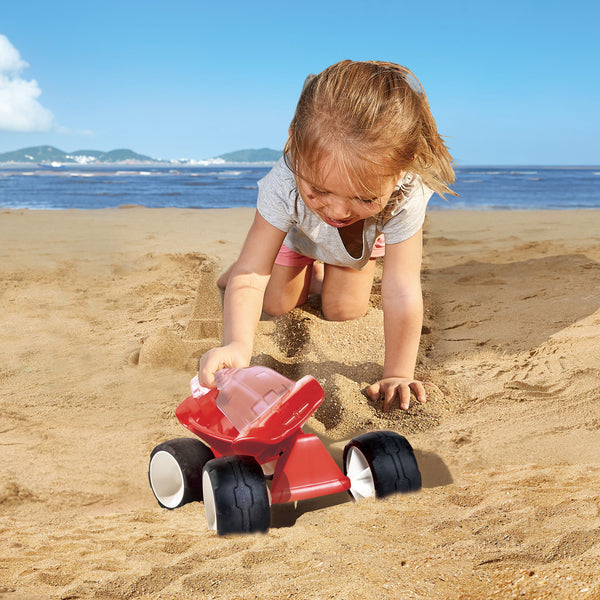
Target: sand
x=104 y=314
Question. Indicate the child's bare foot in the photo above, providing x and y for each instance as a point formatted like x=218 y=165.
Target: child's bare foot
x=224 y=278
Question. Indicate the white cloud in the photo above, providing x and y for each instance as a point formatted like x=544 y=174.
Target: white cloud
x=19 y=106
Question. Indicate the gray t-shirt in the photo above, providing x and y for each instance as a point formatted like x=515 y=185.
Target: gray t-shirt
x=280 y=204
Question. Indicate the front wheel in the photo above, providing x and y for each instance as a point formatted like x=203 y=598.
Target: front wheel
x=380 y=463
x=235 y=495
x=175 y=471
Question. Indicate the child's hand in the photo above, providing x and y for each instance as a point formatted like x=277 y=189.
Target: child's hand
x=399 y=387
x=232 y=355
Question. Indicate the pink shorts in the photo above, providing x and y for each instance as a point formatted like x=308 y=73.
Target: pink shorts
x=290 y=258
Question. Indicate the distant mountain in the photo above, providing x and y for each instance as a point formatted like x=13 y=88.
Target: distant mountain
x=260 y=155
x=50 y=154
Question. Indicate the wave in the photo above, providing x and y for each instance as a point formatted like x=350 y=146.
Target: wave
x=480 y=188
x=228 y=174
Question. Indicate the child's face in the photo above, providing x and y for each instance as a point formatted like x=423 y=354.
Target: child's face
x=335 y=201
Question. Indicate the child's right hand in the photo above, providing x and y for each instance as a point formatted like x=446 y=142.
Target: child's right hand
x=233 y=355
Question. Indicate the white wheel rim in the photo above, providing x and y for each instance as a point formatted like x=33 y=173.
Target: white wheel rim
x=360 y=475
x=209 y=501
x=166 y=479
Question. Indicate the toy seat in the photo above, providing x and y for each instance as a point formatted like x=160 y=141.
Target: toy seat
x=263 y=408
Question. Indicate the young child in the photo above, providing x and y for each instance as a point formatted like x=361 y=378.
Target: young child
x=362 y=159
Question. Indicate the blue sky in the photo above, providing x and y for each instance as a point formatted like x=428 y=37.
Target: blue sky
x=512 y=82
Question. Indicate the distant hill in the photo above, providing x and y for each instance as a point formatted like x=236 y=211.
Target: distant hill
x=260 y=155
x=49 y=154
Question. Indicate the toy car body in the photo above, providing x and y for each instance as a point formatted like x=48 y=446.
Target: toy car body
x=267 y=458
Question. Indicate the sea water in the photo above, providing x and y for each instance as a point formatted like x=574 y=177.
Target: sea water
x=228 y=186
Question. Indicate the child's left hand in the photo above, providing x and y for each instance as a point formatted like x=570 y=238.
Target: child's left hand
x=392 y=387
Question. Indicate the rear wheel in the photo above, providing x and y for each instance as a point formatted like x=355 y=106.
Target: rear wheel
x=175 y=471
x=235 y=495
x=381 y=463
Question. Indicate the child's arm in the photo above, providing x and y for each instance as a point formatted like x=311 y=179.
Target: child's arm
x=403 y=319
x=243 y=300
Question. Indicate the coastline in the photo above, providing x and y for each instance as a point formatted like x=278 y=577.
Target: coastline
x=104 y=314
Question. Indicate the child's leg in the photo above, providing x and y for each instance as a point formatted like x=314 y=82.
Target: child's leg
x=289 y=284
x=345 y=294
x=287 y=288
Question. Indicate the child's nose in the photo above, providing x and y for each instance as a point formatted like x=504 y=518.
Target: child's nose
x=338 y=208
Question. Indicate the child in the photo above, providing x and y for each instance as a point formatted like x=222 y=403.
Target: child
x=362 y=159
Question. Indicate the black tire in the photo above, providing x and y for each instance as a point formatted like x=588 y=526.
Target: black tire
x=235 y=495
x=175 y=471
x=389 y=463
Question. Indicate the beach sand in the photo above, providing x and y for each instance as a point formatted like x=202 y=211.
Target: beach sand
x=104 y=314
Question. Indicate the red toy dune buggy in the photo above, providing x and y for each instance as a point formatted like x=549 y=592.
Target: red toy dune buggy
x=255 y=453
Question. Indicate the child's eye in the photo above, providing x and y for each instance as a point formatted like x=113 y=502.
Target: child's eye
x=317 y=192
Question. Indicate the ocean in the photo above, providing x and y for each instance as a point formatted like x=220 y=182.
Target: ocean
x=229 y=185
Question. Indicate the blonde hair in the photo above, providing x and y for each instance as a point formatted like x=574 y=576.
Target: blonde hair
x=373 y=119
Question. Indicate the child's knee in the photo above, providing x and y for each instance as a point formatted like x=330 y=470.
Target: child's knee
x=276 y=305
x=275 y=308
x=343 y=311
